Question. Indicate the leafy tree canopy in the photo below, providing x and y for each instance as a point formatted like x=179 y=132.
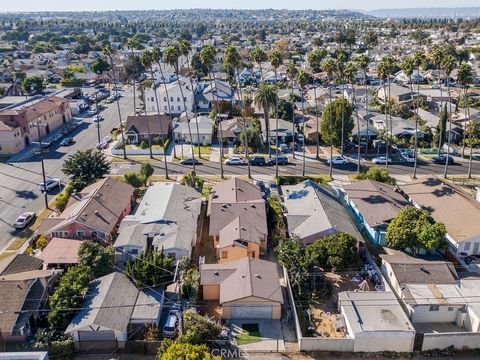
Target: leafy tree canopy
x=199 y=329
x=337 y=251
x=335 y=109
x=152 y=269
x=97 y=257
x=85 y=167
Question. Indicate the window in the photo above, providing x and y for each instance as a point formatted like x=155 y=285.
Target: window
x=224 y=254
x=450 y=308
x=165 y=108
x=99 y=234
x=434 y=307
x=164 y=99
x=179 y=108
x=81 y=233
x=152 y=99
x=171 y=98
x=184 y=99
x=178 y=99
x=134 y=251
x=466 y=247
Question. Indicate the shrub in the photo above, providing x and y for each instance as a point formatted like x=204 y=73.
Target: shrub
x=61 y=202
x=276 y=218
x=376 y=173
x=68 y=190
x=41 y=242
x=294 y=180
x=156 y=140
x=134 y=179
x=144 y=145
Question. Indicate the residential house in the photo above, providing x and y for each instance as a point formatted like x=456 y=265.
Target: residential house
x=60 y=253
x=397 y=93
x=416 y=77
x=314 y=211
x=247 y=288
x=283 y=129
x=208 y=93
x=376 y=322
x=374 y=204
x=401 y=128
x=238 y=220
x=230 y=130
x=166 y=220
x=18 y=123
x=109 y=310
x=184 y=133
x=24 y=292
x=174 y=103
x=93 y=213
x=140 y=127
x=452 y=206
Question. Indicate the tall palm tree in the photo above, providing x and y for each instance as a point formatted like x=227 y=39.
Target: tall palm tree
x=232 y=59
x=328 y=65
x=418 y=60
x=384 y=74
x=349 y=74
x=408 y=66
x=109 y=52
x=302 y=81
x=292 y=72
x=266 y=98
x=390 y=67
x=260 y=56
x=207 y=57
x=132 y=44
x=314 y=59
x=276 y=61
x=171 y=57
x=464 y=77
x=340 y=65
x=448 y=65
x=364 y=61
x=436 y=56
x=146 y=60
x=157 y=58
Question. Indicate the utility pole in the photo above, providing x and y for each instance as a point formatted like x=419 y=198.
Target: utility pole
x=43 y=165
x=97 y=117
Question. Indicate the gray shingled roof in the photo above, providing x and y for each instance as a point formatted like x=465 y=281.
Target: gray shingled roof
x=19 y=263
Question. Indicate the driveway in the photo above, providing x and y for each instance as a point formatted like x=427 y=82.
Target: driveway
x=270 y=331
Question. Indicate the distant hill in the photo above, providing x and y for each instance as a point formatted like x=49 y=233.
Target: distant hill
x=427 y=13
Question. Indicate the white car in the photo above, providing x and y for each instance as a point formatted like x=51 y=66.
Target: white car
x=91 y=112
x=107 y=139
x=409 y=158
x=50 y=184
x=24 y=220
x=382 y=160
x=337 y=160
x=97 y=118
x=235 y=161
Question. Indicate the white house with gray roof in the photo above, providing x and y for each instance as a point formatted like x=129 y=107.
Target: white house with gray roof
x=166 y=220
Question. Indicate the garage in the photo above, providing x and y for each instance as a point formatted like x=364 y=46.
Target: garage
x=101 y=335
x=250 y=311
x=101 y=342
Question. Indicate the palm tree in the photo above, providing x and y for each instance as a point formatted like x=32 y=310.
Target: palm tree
x=436 y=56
x=464 y=77
x=314 y=59
x=146 y=60
x=448 y=64
x=363 y=61
x=171 y=57
x=207 y=57
x=340 y=65
x=133 y=44
x=109 y=52
x=408 y=66
x=384 y=74
x=292 y=72
x=418 y=60
x=157 y=58
x=266 y=98
x=349 y=74
x=276 y=60
x=328 y=65
x=302 y=81
x=232 y=59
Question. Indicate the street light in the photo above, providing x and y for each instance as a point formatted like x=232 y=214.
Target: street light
x=38 y=125
x=96 y=114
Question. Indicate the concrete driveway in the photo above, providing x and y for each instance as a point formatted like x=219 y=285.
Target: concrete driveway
x=270 y=331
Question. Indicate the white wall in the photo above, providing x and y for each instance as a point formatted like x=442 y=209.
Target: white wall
x=399 y=341
x=326 y=344
x=422 y=314
x=444 y=340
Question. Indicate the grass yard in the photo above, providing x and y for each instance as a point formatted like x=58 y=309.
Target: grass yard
x=250 y=334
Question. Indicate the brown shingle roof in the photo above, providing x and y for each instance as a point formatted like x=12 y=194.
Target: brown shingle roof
x=378 y=202
x=61 y=251
x=158 y=124
x=243 y=278
x=19 y=263
x=234 y=191
x=448 y=204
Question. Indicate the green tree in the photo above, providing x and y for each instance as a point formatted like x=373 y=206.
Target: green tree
x=97 y=257
x=376 y=173
x=191 y=283
x=198 y=329
x=99 y=66
x=33 y=83
x=291 y=254
x=266 y=98
x=146 y=170
x=152 y=269
x=414 y=229
x=85 y=167
x=180 y=351
x=333 y=112
x=254 y=137
x=134 y=179
x=337 y=251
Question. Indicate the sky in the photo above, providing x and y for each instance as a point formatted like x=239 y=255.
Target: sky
x=81 y=5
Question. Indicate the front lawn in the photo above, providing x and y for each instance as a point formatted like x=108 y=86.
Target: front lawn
x=250 y=334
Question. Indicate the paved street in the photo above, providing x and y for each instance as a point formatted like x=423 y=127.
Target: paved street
x=19 y=181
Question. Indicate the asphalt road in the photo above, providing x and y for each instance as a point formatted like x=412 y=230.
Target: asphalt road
x=19 y=181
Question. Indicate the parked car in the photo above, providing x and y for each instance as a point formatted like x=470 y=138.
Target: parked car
x=337 y=160
x=189 y=161
x=66 y=141
x=91 y=112
x=235 y=161
x=97 y=118
x=442 y=159
x=107 y=139
x=282 y=160
x=102 y=145
x=78 y=122
x=382 y=160
x=170 y=328
x=49 y=185
x=104 y=91
x=258 y=161
x=57 y=137
x=24 y=220
x=409 y=158
x=284 y=148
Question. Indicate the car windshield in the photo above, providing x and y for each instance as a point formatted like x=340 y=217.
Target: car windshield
x=168 y=328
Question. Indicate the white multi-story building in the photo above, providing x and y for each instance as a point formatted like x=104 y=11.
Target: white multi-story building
x=173 y=103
